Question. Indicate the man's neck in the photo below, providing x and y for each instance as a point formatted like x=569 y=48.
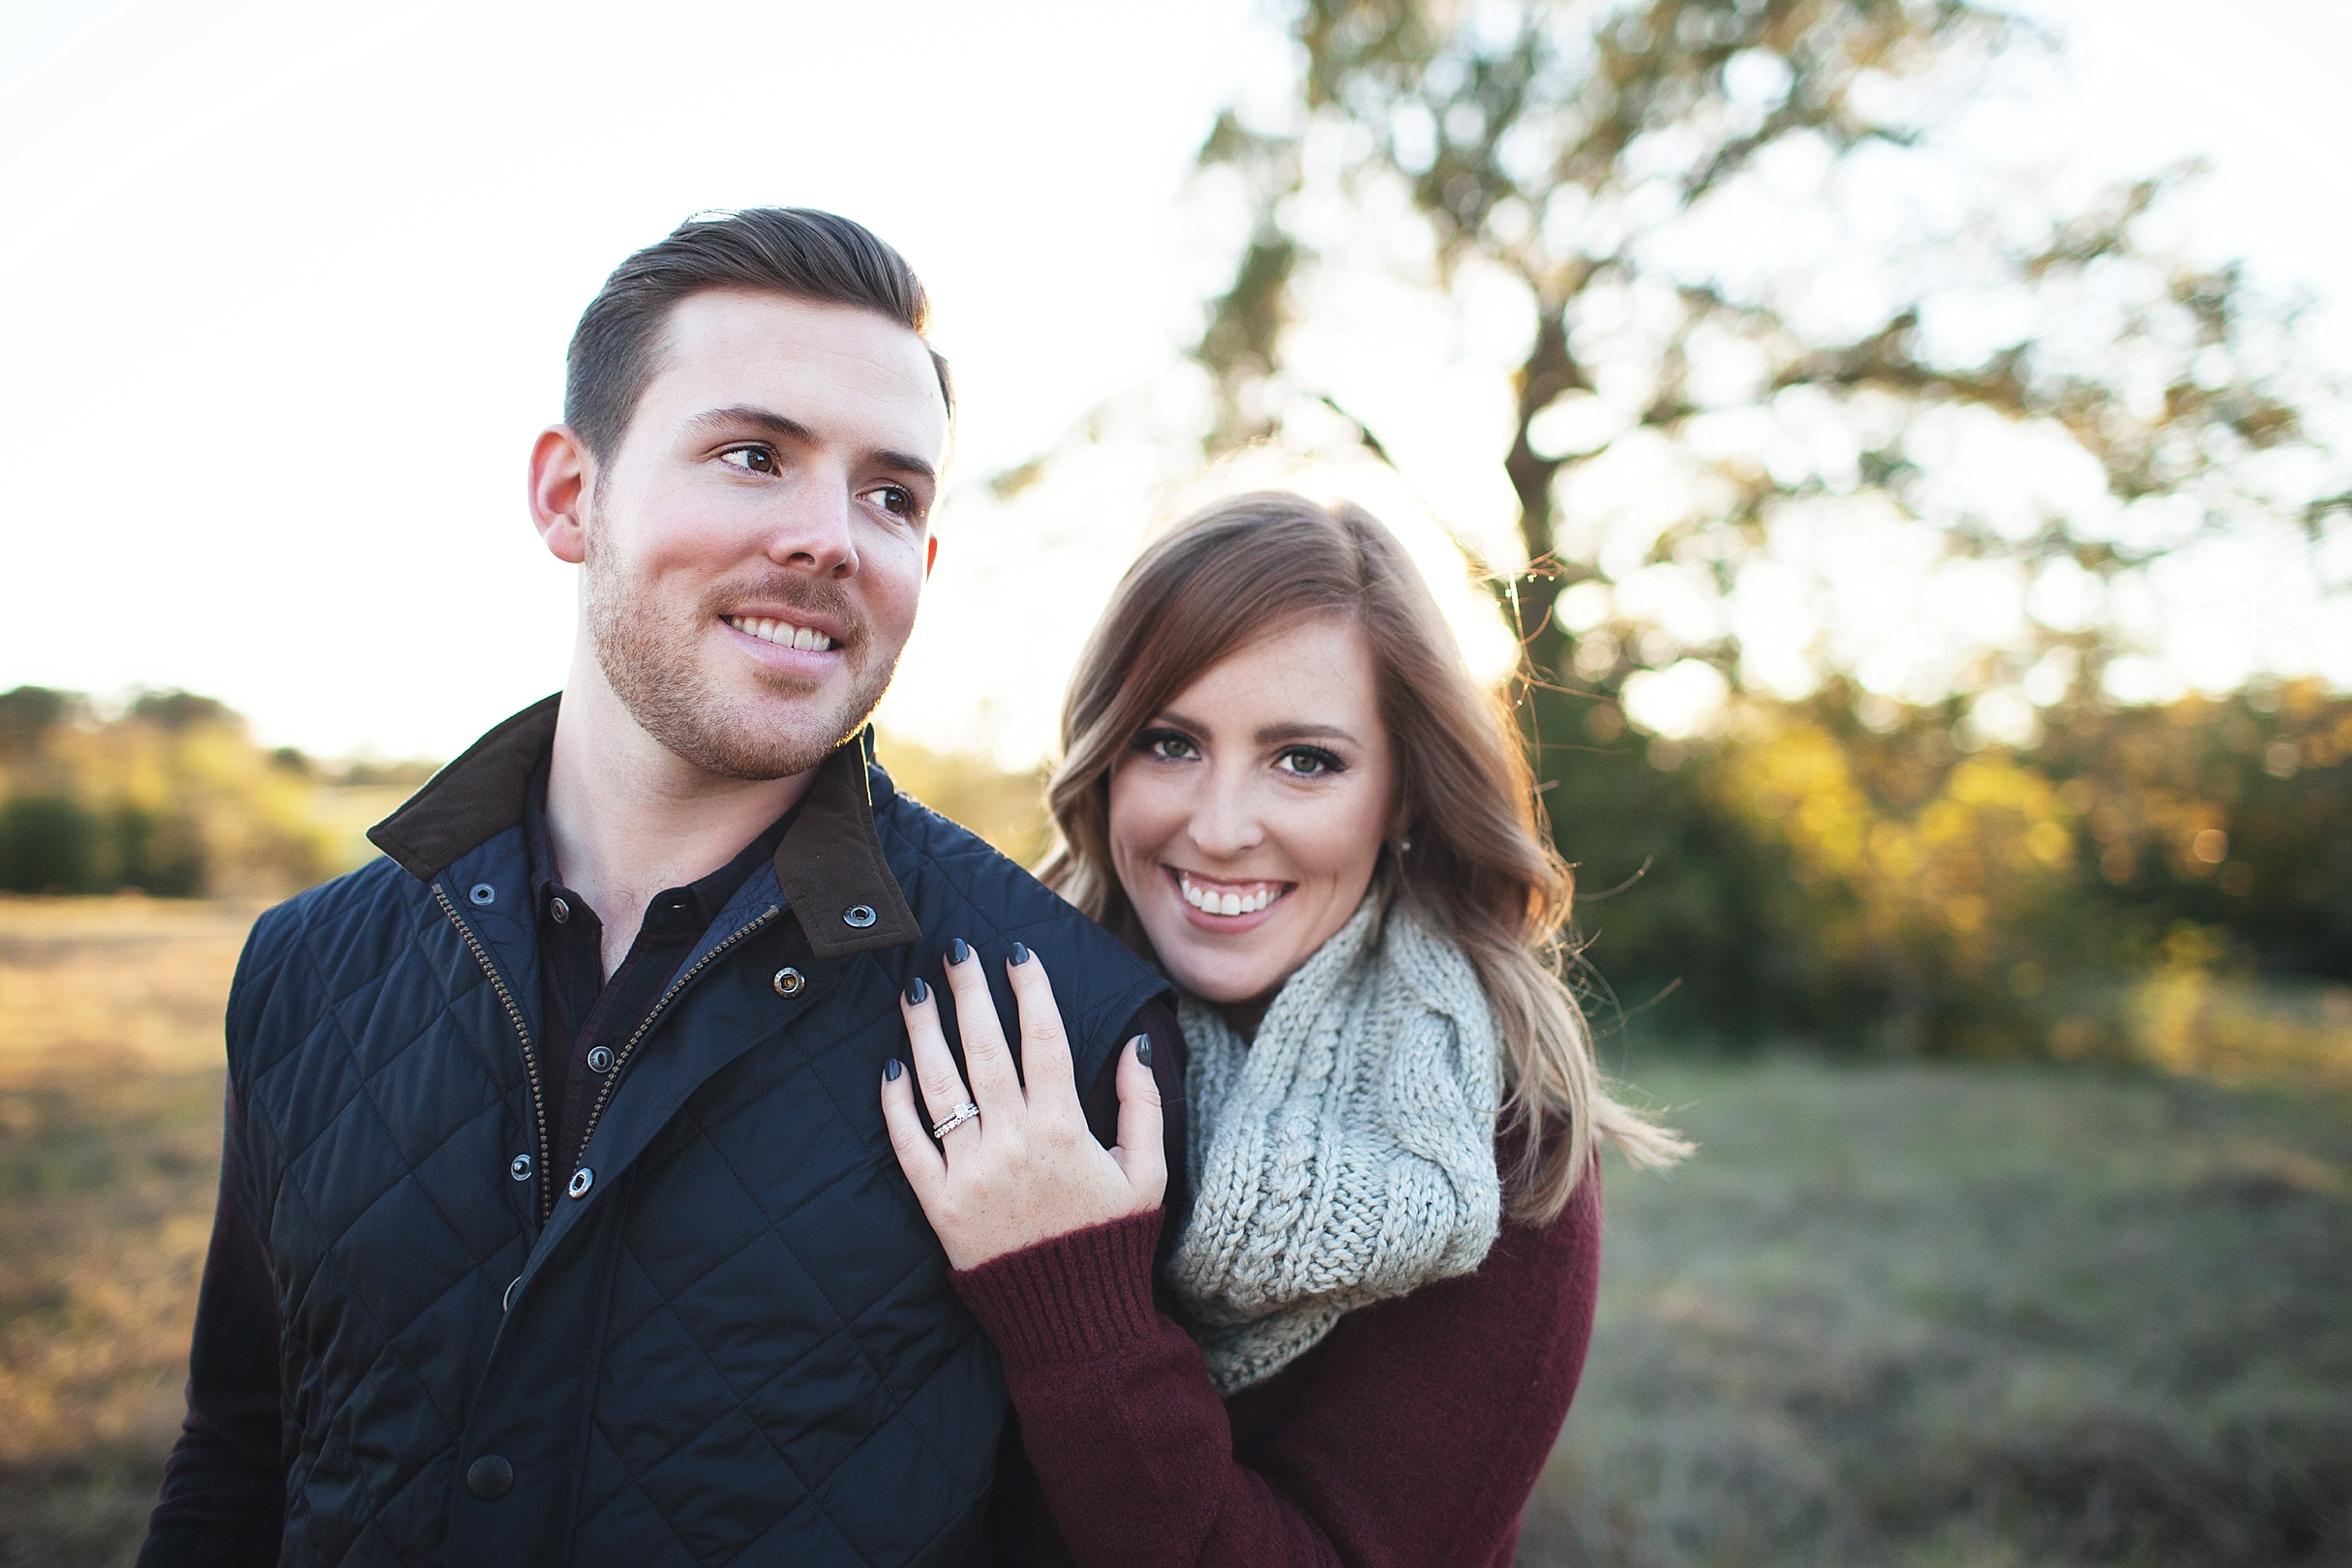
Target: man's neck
x=628 y=817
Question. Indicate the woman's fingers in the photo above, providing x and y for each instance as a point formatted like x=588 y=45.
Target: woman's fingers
x=943 y=1087
x=1142 y=1151
x=911 y=1137
x=1044 y=1046
x=996 y=1085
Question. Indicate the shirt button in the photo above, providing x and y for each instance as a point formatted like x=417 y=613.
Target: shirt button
x=490 y=1478
x=519 y=1168
x=788 y=982
x=582 y=1180
x=483 y=894
x=600 y=1060
x=560 y=909
x=860 y=916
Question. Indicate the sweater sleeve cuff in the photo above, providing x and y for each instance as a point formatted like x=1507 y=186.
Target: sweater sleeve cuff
x=1070 y=1298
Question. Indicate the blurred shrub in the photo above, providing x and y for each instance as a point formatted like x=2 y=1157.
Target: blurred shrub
x=2143 y=881
x=170 y=797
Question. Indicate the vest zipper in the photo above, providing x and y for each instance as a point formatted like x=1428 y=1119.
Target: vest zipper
x=620 y=1060
x=530 y=1052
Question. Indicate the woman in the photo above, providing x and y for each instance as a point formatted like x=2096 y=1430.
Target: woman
x=1282 y=784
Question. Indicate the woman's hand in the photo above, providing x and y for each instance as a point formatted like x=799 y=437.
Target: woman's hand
x=1026 y=1168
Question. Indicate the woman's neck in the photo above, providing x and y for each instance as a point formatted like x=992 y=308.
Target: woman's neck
x=1244 y=1017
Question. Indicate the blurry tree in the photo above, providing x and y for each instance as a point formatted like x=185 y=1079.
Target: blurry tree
x=1626 y=168
x=170 y=797
x=1773 y=325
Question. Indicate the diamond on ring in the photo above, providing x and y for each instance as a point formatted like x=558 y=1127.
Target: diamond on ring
x=965 y=1112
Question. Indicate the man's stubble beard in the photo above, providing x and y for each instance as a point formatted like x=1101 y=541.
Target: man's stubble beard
x=649 y=662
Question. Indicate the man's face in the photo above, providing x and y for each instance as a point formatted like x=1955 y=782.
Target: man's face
x=756 y=546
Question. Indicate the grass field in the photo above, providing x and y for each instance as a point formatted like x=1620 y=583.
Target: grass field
x=1894 y=1314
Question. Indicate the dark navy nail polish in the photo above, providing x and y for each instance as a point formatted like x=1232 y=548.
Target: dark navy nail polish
x=959 y=950
x=1020 y=955
x=891 y=1070
x=1143 y=1049
x=918 y=993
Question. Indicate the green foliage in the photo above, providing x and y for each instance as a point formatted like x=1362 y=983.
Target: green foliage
x=171 y=797
x=48 y=843
x=1808 y=873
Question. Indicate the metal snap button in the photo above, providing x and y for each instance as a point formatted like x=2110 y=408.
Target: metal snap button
x=490 y=1478
x=560 y=909
x=507 y=1303
x=519 y=1168
x=582 y=1180
x=600 y=1060
x=860 y=916
x=790 y=981
x=483 y=894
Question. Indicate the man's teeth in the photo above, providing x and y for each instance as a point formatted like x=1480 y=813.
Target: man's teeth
x=1211 y=901
x=782 y=633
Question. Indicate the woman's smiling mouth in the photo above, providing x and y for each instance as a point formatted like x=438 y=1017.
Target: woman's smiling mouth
x=1225 y=903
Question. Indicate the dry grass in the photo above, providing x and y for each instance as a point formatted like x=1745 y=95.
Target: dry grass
x=1946 y=1314
x=1892 y=1315
x=110 y=1128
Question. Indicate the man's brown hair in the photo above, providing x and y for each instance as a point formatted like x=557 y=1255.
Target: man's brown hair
x=798 y=252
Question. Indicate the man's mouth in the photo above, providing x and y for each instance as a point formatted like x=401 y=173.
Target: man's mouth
x=1212 y=897
x=782 y=633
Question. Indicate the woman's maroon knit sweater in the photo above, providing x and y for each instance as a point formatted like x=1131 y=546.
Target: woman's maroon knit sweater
x=1411 y=1434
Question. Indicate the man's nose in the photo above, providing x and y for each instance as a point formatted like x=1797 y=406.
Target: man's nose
x=812 y=533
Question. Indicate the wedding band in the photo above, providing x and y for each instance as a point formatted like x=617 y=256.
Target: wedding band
x=965 y=1112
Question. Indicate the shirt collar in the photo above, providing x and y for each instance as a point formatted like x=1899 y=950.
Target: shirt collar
x=828 y=858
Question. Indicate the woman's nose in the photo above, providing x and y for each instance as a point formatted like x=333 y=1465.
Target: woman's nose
x=1225 y=821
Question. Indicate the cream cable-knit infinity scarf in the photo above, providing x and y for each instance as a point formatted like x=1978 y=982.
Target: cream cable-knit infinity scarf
x=1344 y=1156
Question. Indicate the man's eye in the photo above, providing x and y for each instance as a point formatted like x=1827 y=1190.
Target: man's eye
x=750 y=459
x=897 y=500
x=1309 y=761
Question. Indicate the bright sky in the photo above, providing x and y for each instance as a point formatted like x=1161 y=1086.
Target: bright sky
x=285 y=291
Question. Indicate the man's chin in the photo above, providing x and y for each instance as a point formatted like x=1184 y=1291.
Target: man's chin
x=762 y=736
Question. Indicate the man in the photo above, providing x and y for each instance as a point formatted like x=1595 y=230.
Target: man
x=558 y=1221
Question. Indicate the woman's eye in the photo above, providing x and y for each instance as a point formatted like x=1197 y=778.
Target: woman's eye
x=749 y=459
x=1168 y=745
x=1309 y=761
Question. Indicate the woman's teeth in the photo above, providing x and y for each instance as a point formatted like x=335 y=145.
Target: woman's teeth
x=782 y=633
x=1218 y=901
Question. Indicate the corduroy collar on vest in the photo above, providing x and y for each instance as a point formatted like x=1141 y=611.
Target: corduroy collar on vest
x=830 y=860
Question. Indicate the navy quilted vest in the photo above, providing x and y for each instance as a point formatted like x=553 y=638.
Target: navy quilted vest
x=738 y=1343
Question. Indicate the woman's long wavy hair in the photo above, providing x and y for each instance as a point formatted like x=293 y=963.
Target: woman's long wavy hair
x=1481 y=866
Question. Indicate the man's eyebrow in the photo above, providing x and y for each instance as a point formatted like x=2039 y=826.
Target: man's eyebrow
x=792 y=430
x=905 y=463
x=744 y=413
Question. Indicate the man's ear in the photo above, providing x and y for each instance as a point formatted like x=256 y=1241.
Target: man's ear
x=930 y=555
x=563 y=477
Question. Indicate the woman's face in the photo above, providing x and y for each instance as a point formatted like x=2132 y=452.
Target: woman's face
x=1246 y=817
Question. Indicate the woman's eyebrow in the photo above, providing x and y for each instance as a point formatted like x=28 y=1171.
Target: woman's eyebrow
x=1275 y=733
